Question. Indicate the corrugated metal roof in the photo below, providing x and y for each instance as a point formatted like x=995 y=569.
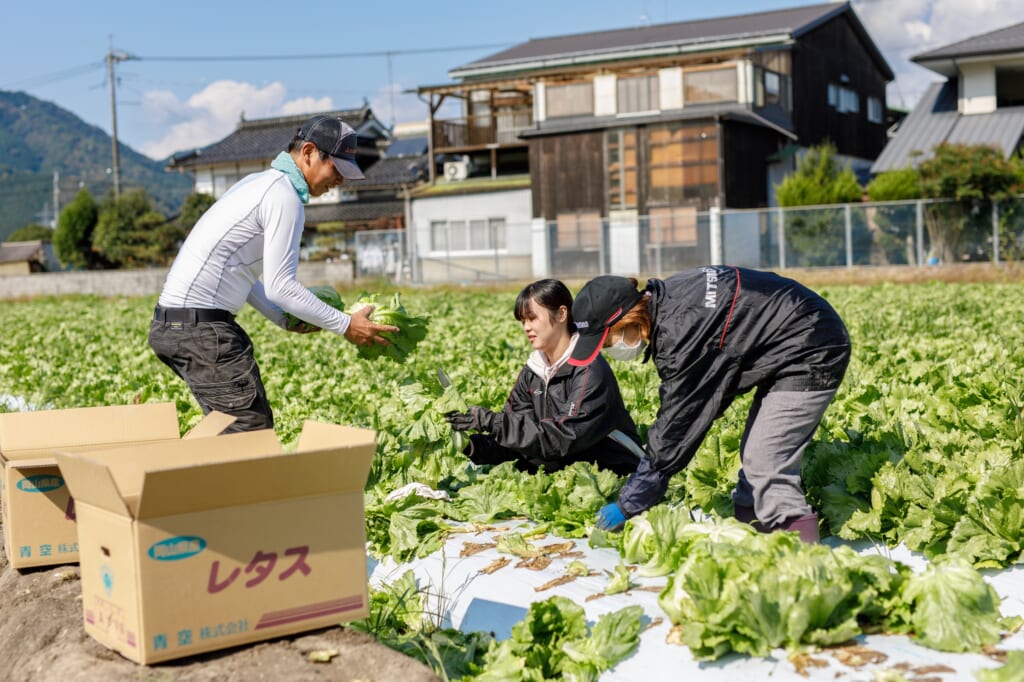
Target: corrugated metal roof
x=1002 y=128
x=935 y=120
x=19 y=252
x=785 y=23
x=1000 y=41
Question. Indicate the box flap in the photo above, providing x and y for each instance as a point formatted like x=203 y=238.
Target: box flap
x=90 y=482
x=26 y=464
x=341 y=466
x=34 y=435
x=319 y=435
x=212 y=424
x=128 y=465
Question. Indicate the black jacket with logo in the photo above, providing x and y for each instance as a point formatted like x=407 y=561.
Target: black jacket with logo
x=718 y=332
x=567 y=420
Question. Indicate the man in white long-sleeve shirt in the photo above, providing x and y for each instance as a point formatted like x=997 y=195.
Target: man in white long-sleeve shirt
x=253 y=232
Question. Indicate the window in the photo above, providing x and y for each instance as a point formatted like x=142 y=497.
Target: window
x=683 y=164
x=482 y=234
x=772 y=89
x=842 y=99
x=580 y=230
x=621 y=155
x=849 y=101
x=438 y=235
x=673 y=225
x=637 y=93
x=1009 y=86
x=222 y=183
x=712 y=85
x=874 y=110
x=575 y=99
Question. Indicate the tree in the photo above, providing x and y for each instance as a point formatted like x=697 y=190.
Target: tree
x=196 y=204
x=72 y=240
x=131 y=233
x=818 y=235
x=894 y=239
x=30 y=233
x=895 y=185
x=974 y=177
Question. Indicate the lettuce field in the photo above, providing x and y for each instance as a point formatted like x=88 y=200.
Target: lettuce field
x=921 y=448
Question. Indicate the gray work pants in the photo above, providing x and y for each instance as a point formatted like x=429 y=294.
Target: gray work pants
x=216 y=361
x=779 y=427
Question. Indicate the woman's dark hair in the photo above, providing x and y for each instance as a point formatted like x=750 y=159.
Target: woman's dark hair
x=548 y=293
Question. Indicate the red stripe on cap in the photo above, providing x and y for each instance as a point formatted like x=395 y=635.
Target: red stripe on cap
x=589 y=359
x=614 y=316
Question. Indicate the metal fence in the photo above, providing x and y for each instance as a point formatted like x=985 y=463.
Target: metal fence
x=916 y=232
x=382 y=254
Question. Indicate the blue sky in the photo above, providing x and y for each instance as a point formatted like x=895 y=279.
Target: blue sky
x=168 y=101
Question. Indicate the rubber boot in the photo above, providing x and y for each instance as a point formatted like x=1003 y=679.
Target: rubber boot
x=806 y=526
x=745 y=514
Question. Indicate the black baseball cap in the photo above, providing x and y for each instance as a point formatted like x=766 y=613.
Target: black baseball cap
x=335 y=137
x=600 y=304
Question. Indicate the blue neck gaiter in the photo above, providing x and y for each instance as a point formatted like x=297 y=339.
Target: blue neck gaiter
x=286 y=164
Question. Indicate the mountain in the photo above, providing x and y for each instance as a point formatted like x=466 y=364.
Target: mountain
x=38 y=138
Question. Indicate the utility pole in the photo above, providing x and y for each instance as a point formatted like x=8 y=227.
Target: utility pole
x=391 y=91
x=111 y=59
x=56 y=198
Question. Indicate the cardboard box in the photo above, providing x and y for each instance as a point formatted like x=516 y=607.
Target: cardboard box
x=38 y=512
x=198 y=545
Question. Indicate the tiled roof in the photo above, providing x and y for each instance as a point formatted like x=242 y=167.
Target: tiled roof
x=354 y=211
x=578 y=48
x=935 y=120
x=259 y=140
x=405 y=170
x=1001 y=41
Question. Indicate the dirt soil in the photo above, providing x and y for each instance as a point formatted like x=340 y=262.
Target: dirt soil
x=42 y=640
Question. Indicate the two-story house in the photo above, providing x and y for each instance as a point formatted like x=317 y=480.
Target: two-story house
x=981 y=102
x=641 y=127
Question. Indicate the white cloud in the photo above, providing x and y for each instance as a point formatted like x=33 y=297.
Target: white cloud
x=212 y=113
x=904 y=28
x=307 y=105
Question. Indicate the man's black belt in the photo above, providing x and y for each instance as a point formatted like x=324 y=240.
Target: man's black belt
x=192 y=315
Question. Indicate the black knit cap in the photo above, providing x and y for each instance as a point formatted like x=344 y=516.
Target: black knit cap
x=600 y=304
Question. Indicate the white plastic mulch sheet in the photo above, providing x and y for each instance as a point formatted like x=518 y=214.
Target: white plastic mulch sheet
x=472 y=599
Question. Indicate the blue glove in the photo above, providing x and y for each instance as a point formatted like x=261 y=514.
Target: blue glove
x=610 y=517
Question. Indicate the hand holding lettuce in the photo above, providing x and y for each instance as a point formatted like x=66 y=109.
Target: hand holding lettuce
x=411 y=330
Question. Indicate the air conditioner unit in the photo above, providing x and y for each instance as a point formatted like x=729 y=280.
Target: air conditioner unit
x=456 y=170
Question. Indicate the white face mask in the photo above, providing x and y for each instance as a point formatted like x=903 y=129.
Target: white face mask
x=620 y=351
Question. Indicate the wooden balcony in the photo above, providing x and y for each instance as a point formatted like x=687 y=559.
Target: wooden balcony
x=482 y=132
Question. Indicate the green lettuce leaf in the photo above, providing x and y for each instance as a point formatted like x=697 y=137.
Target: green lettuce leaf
x=952 y=607
x=411 y=329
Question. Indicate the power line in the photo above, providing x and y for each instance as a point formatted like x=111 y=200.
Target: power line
x=56 y=76
x=336 y=55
